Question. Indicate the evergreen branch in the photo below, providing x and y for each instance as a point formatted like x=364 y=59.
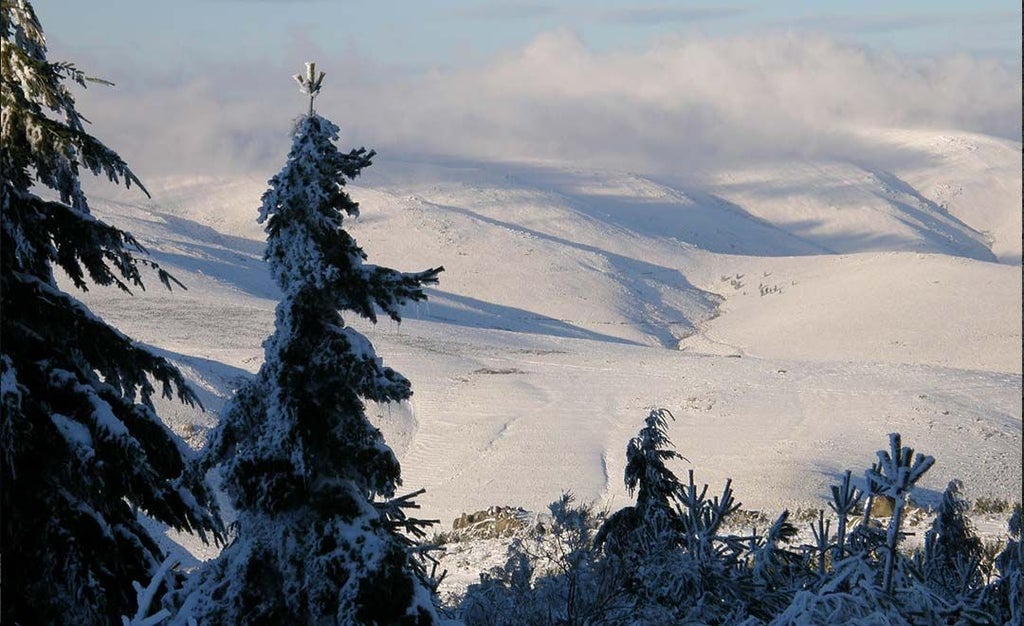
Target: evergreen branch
x=372 y=288
x=72 y=327
x=81 y=243
x=352 y=164
x=137 y=450
x=58 y=137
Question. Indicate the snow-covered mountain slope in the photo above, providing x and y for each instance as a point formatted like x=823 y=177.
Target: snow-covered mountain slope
x=790 y=316
x=975 y=178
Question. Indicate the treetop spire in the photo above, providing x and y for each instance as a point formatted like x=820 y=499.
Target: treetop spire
x=310 y=83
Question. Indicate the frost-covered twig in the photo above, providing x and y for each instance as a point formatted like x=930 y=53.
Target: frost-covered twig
x=845 y=499
x=147 y=594
x=894 y=476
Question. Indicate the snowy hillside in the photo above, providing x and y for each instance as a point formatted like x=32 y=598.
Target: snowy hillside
x=790 y=315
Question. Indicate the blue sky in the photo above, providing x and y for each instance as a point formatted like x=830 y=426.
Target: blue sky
x=205 y=84
x=443 y=33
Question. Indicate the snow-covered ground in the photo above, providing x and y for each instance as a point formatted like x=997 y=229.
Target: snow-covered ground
x=789 y=314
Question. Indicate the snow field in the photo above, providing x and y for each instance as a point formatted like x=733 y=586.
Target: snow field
x=789 y=317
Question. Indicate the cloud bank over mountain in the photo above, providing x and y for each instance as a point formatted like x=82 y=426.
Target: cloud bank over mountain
x=681 y=105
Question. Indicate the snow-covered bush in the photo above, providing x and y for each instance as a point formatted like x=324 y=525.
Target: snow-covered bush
x=1007 y=591
x=872 y=582
x=555 y=576
x=667 y=560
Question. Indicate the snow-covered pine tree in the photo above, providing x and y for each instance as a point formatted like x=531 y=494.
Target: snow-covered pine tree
x=657 y=488
x=301 y=462
x=952 y=549
x=81 y=445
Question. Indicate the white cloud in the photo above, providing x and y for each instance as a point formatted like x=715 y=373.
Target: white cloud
x=680 y=105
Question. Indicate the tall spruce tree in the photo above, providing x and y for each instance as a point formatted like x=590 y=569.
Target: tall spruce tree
x=82 y=448
x=303 y=466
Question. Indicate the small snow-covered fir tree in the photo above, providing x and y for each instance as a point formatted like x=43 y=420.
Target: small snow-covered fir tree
x=301 y=462
x=952 y=549
x=81 y=446
x=674 y=562
x=657 y=488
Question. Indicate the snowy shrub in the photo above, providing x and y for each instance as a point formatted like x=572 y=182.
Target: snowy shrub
x=1007 y=591
x=987 y=505
x=775 y=571
x=656 y=487
x=557 y=576
x=666 y=560
x=871 y=582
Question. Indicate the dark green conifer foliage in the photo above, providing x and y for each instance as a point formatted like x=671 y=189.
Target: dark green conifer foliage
x=953 y=551
x=658 y=490
x=301 y=462
x=1009 y=589
x=81 y=444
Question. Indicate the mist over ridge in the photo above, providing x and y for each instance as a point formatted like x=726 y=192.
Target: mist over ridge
x=679 y=107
